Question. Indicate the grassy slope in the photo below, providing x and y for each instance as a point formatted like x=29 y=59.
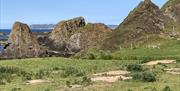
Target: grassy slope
x=167 y=49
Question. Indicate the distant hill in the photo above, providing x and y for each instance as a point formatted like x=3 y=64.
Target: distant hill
x=42 y=26
x=112 y=26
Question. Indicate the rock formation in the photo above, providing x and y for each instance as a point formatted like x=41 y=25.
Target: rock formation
x=64 y=30
x=21 y=43
x=172 y=9
x=88 y=36
x=74 y=35
x=145 y=20
x=147 y=17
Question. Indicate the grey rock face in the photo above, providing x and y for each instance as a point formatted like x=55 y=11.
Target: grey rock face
x=21 y=43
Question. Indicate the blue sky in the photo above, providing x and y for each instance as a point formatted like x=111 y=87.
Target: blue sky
x=53 y=11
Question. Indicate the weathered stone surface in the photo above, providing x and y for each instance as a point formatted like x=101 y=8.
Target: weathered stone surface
x=146 y=17
x=64 y=30
x=21 y=43
x=172 y=9
x=88 y=36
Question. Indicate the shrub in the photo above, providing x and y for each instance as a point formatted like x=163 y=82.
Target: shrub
x=130 y=90
x=167 y=88
x=56 y=68
x=91 y=56
x=15 y=89
x=86 y=81
x=105 y=55
x=144 y=76
x=40 y=74
x=47 y=89
x=134 y=67
x=26 y=76
x=148 y=77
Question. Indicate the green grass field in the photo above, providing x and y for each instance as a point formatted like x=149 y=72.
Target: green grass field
x=54 y=66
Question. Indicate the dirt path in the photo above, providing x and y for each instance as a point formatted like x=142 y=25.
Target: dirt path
x=173 y=71
x=160 y=61
x=111 y=76
x=37 y=81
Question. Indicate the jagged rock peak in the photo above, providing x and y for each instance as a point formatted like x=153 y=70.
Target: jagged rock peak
x=18 y=26
x=145 y=20
x=20 y=31
x=147 y=4
x=21 y=42
x=143 y=14
x=147 y=1
x=64 y=30
x=72 y=23
x=67 y=27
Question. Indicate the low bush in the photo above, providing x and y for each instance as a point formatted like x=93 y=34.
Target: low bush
x=15 y=89
x=134 y=67
x=167 y=88
x=40 y=74
x=105 y=55
x=90 y=56
x=144 y=76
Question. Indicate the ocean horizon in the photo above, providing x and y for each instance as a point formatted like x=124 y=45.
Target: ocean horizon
x=7 y=31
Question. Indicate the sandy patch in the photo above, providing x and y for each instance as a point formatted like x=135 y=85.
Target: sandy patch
x=173 y=71
x=160 y=61
x=111 y=76
x=112 y=73
x=37 y=81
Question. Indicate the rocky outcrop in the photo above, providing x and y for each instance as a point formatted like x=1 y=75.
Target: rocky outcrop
x=88 y=36
x=63 y=31
x=172 y=10
x=146 y=17
x=145 y=20
x=21 y=43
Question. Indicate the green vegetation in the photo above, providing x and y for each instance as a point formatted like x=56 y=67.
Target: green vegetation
x=65 y=72
x=61 y=71
x=134 y=67
x=167 y=88
x=151 y=50
x=144 y=76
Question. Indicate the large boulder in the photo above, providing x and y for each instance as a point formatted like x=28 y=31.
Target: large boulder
x=63 y=31
x=88 y=36
x=21 y=43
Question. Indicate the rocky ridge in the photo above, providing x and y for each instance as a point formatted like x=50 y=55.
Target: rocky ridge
x=144 y=21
